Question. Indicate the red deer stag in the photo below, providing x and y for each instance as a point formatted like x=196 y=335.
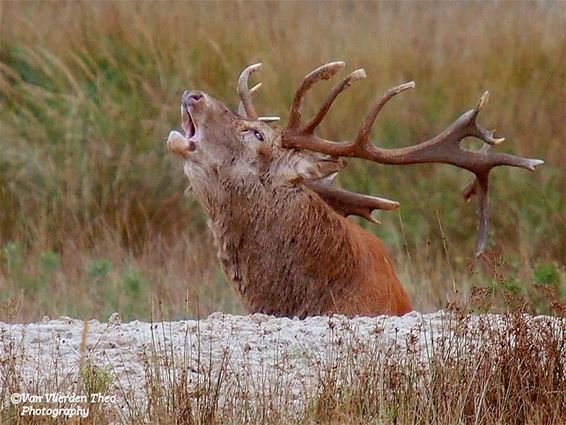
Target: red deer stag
x=280 y=226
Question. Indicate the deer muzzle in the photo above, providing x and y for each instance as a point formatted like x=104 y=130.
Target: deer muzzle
x=176 y=142
x=191 y=98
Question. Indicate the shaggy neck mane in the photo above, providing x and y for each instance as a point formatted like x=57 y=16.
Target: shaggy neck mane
x=281 y=246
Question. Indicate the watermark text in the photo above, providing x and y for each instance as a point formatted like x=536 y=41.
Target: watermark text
x=67 y=405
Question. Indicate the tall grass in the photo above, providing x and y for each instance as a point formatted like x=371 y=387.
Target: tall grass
x=92 y=213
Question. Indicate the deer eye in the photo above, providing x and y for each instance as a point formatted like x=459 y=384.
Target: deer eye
x=248 y=132
x=258 y=135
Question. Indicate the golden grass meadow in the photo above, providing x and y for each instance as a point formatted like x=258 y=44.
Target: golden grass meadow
x=94 y=220
x=93 y=217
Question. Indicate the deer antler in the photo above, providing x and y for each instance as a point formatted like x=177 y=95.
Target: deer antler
x=348 y=203
x=246 y=108
x=443 y=148
x=244 y=91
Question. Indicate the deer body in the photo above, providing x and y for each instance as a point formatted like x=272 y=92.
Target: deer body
x=281 y=228
x=293 y=255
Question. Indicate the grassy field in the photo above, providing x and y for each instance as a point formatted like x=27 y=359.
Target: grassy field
x=92 y=213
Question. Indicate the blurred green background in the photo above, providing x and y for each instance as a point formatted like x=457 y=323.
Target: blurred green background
x=92 y=213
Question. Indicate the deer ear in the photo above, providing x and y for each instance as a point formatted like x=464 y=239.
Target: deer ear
x=303 y=166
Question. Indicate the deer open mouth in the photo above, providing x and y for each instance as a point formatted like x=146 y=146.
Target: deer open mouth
x=188 y=123
x=190 y=99
x=183 y=145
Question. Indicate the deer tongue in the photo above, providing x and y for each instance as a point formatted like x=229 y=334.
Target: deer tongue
x=180 y=145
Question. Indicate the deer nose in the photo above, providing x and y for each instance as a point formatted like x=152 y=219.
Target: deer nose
x=191 y=97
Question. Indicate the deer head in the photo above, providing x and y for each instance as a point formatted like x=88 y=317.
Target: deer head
x=219 y=144
x=241 y=167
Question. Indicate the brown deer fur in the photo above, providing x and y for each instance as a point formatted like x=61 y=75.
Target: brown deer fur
x=292 y=255
x=286 y=251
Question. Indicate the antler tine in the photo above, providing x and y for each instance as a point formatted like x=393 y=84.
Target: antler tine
x=323 y=72
x=241 y=109
x=357 y=75
x=349 y=203
x=480 y=186
x=364 y=133
x=269 y=119
x=482 y=133
x=244 y=91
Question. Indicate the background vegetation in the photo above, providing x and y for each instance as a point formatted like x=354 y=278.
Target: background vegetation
x=92 y=213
